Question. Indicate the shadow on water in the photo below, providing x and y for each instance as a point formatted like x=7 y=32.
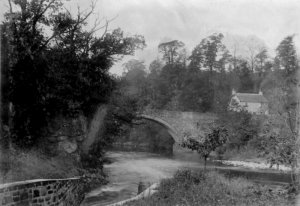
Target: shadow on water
x=128 y=169
x=273 y=178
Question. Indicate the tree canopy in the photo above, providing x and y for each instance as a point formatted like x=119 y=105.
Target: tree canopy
x=57 y=65
x=172 y=51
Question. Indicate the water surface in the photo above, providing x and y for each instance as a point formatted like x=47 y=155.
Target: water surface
x=129 y=168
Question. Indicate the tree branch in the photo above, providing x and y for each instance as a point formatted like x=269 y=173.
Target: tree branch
x=10 y=6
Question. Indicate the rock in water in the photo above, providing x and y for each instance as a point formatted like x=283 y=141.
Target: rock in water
x=141 y=187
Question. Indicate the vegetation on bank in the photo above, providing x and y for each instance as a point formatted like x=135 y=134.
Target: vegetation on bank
x=212 y=188
x=73 y=58
x=207 y=144
x=203 y=81
x=57 y=65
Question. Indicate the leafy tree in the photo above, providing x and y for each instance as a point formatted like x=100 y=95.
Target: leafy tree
x=224 y=59
x=134 y=81
x=215 y=138
x=205 y=54
x=171 y=77
x=195 y=96
x=260 y=59
x=277 y=142
x=287 y=56
x=287 y=59
x=222 y=93
x=153 y=81
x=244 y=73
x=134 y=73
x=71 y=58
x=273 y=86
x=134 y=65
x=121 y=111
x=172 y=51
x=155 y=66
x=210 y=54
x=242 y=127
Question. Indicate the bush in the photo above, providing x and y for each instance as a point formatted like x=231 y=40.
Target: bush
x=200 y=188
x=242 y=127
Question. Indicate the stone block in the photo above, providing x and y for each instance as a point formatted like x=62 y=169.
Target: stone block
x=24 y=195
x=6 y=200
x=16 y=193
x=40 y=200
x=36 y=193
x=23 y=203
x=43 y=192
x=16 y=198
x=68 y=146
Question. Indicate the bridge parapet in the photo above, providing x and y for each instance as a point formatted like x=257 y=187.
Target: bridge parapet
x=184 y=123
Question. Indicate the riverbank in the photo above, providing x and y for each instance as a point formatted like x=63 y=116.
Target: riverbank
x=212 y=188
x=253 y=165
x=33 y=164
x=128 y=169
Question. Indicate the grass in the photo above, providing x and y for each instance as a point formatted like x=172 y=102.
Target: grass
x=211 y=188
x=244 y=153
x=35 y=165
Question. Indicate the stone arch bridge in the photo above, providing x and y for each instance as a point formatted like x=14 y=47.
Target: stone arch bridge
x=180 y=124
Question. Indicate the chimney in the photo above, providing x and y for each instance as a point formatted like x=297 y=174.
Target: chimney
x=233 y=92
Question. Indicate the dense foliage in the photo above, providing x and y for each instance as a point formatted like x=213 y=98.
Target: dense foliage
x=191 y=188
x=65 y=71
x=209 y=143
x=199 y=82
x=203 y=81
x=57 y=66
x=242 y=127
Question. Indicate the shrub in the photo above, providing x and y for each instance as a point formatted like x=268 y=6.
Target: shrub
x=200 y=188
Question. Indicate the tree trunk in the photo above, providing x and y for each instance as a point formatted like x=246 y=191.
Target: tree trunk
x=297 y=170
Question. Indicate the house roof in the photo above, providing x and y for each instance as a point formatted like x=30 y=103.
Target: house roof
x=250 y=97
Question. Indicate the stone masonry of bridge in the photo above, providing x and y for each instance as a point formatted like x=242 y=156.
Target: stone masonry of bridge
x=51 y=192
x=181 y=124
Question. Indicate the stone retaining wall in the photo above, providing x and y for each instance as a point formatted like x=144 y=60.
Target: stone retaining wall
x=52 y=192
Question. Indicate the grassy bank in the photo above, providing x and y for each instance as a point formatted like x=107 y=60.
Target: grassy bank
x=34 y=164
x=212 y=188
x=25 y=165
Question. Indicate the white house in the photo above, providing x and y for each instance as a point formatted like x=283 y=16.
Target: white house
x=251 y=102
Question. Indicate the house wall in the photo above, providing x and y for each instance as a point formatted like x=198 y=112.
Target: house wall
x=252 y=107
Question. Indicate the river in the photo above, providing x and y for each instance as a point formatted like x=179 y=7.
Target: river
x=129 y=168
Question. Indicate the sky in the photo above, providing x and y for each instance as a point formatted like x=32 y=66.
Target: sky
x=266 y=21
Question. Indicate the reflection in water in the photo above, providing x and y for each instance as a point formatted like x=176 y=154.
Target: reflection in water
x=130 y=168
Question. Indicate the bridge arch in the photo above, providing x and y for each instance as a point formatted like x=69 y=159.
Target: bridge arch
x=163 y=123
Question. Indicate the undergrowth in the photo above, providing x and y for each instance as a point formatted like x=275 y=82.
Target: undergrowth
x=212 y=188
